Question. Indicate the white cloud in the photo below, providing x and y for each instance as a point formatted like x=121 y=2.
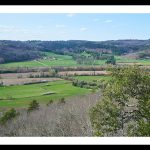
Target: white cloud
x=83 y=29
x=108 y=21
x=4 y=28
x=23 y=33
x=11 y=29
x=60 y=26
x=95 y=19
x=70 y=15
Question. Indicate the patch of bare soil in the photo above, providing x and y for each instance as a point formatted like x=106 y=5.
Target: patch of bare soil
x=18 y=75
x=84 y=73
x=131 y=56
x=22 y=81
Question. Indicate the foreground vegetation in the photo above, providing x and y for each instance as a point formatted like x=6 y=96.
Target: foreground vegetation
x=125 y=107
x=69 y=118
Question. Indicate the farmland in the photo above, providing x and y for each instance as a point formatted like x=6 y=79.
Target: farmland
x=93 y=78
x=52 y=59
x=24 y=78
x=22 y=95
x=124 y=60
x=10 y=82
x=14 y=92
x=81 y=73
x=19 y=89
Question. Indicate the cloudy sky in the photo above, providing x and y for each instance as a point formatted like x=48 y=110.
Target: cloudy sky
x=61 y=26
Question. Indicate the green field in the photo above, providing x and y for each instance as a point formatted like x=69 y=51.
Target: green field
x=130 y=60
x=64 y=60
x=22 y=95
x=92 y=78
x=60 y=60
x=123 y=59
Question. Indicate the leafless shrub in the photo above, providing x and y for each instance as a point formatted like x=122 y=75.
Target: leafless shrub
x=68 y=119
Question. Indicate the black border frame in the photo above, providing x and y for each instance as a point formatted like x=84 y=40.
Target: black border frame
x=75 y=2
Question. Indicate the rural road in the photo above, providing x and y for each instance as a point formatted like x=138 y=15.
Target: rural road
x=41 y=63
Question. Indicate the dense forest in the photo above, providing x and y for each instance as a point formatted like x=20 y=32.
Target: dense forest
x=12 y=51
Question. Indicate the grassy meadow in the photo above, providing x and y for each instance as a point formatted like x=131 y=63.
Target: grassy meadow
x=92 y=78
x=60 y=60
x=121 y=59
x=22 y=95
x=67 y=61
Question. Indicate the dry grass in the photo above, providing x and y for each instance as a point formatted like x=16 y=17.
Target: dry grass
x=57 y=119
x=22 y=81
x=129 y=63
x=17 y=75
x=84 y=73
x=23 y=78
x=131 y=56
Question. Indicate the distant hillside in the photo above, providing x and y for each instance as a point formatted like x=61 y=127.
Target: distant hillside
x=12 y=51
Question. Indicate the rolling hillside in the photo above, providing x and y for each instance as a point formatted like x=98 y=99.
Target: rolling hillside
x=14 y=51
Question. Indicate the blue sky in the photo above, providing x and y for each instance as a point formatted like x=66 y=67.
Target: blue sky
x=61 y=26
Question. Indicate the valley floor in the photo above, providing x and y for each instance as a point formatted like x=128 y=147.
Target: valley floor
x=68 y=61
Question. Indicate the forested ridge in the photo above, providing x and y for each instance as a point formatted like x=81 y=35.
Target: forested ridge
x=13 y=51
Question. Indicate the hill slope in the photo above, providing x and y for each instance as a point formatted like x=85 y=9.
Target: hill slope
x=13 y=51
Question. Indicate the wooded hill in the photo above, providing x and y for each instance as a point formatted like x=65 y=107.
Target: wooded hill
x=13 y=51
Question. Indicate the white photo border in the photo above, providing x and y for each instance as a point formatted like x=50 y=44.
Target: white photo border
x=74 y=140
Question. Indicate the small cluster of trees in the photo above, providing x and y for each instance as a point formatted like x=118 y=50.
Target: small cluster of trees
x=90 y=57
x=8 y=115
x=34 y=105
x=99 y=55
x=13 y=113
x=84 y=84
x=144 y=54
x=111 y=60
x=24 y=70
x=81 y=68
x=43 y=75
x=1 y=83
x=83 y=59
